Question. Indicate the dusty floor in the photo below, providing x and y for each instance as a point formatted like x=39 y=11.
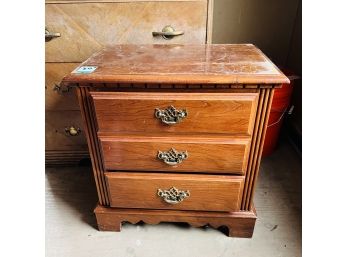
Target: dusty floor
x=71 y=228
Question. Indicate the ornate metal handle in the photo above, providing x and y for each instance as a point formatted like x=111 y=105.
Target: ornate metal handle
x=72 y=131
x=173 y=195
x=172 y=157
x=168 y=32
x=50 y=35
x=170 y=116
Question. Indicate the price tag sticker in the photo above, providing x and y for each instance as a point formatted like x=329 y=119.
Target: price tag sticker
x=85 y=69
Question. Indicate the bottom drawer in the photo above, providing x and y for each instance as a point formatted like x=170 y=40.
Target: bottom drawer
x=175 y=191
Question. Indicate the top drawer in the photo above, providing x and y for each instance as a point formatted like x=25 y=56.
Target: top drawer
x=86 y=27
x=232 y=113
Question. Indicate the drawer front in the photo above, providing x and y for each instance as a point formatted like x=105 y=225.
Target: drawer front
x=175 y=191
x=59 y=134
x=232 y=113
x=189 y=154
x=58 y=97
x=86 y=27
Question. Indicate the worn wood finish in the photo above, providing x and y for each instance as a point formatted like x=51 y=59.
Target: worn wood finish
x=205 y=154
x=62 y=111
x=86 y=27
x=57 y=96
x=207 y=192
x=181 y=64
x=56 y=136
x=239 y=224
x=121 y=150
x=135 y=112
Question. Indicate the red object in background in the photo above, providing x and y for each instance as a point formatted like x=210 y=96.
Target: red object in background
x=279 y=109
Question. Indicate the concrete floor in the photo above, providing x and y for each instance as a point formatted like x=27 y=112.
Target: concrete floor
x=71 y=227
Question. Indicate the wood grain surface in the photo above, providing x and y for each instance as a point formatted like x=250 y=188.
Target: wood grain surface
x=56 y=137
x=205 y=154
x=207 y=192
x=206 y=112
x=57 y=96
x=87 y=27
x=125 y=140
x=93 y=144
x=255 y=166
x=181 y=64
x=239 y=224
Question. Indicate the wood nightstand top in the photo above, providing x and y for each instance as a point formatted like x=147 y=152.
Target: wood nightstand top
x=179 y=64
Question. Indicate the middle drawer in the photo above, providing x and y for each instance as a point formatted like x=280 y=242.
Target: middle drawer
x=218 y=154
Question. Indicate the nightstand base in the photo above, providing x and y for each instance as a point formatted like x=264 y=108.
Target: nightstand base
x=239 y=224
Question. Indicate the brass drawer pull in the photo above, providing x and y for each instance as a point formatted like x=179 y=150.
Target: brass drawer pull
x=168 y=32
x=50 y=35
x=172 y=157
x=72 y=131
x=173 y=195
x=170 y=116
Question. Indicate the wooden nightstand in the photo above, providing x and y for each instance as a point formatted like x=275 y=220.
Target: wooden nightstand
x=175 y=132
